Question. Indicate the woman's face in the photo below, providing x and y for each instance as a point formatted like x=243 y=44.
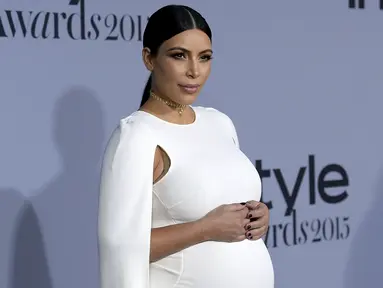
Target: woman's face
x=181 y=66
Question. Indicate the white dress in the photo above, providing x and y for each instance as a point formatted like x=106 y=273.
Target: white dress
x=207 y=169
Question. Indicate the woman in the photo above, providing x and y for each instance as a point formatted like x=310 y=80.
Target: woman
x=179 y=200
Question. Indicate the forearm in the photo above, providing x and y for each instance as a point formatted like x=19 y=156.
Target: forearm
x=171 y=239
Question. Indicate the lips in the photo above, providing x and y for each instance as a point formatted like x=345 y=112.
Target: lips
x=190 y=88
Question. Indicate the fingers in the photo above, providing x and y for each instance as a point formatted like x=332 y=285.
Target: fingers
x=257 y=233
x=246 y=222
x=236 y=207
x=256 y=229
x=253 y=204
x=260 y=211
x=260 y=222
x=256 y=213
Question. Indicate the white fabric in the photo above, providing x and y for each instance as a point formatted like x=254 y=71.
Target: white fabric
x=207 y=170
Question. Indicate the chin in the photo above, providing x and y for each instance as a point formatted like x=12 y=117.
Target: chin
x=189 y=99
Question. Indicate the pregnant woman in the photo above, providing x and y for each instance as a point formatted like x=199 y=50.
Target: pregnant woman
x=179 y=201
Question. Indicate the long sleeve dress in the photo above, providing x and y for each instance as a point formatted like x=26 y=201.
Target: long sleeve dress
x=207 y=169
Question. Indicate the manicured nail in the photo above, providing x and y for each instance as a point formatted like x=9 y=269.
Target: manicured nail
x=250 y=215
x=248 y=227
x=249 y=235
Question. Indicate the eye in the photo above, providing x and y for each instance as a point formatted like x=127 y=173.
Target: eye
x=206 y=57
x=179 y=55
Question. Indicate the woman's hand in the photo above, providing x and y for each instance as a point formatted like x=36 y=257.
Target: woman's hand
x=259 y=220
x=226 y=223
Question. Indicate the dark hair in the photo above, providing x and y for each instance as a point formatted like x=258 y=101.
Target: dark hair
x=164 y=24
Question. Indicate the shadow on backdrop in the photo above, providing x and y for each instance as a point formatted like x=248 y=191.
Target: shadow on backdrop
x=28 y=264
x=67 y=205
x=23 y=261
x=364 y=268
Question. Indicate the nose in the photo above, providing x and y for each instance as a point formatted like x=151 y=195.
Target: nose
x=193 y=70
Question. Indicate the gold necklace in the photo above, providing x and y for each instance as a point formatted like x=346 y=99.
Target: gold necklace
x=172 y=104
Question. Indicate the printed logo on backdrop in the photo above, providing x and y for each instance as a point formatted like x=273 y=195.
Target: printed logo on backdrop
x=361 y=4
x=75 y=23
x=327 y=185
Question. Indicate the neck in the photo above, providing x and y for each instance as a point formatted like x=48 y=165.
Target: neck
x=168 y=102
x=172 y=115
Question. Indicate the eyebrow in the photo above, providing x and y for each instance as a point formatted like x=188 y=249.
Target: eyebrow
x=187 y=51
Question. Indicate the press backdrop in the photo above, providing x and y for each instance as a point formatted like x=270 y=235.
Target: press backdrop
x=302 y=81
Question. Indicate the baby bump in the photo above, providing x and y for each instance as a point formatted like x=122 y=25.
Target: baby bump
x=245 y=264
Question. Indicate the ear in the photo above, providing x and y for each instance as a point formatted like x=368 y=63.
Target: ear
x=148 y=59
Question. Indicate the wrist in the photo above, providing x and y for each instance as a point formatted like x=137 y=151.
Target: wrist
x=203 y=230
